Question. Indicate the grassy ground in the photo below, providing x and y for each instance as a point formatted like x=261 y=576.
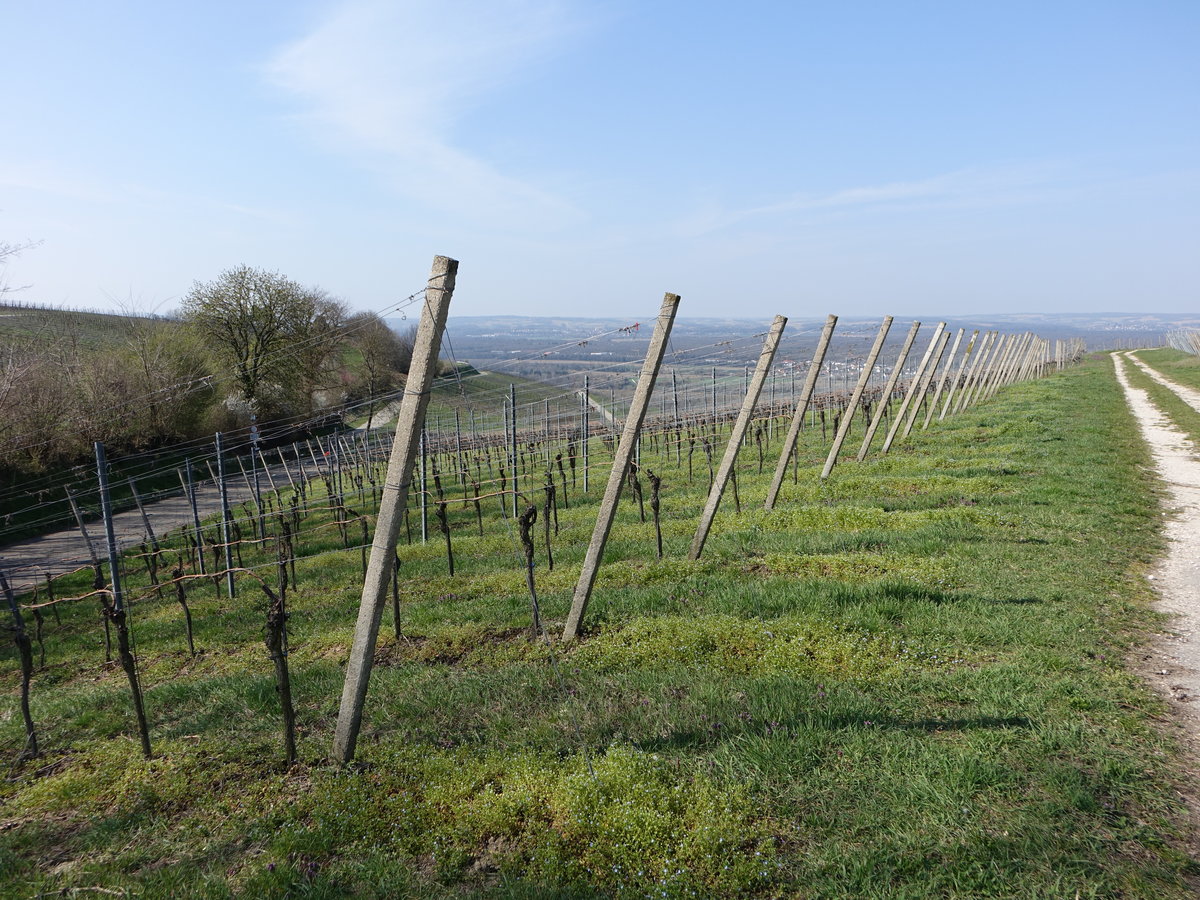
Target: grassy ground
x=1181 y=414
x=908 y=681
x=1181 y=367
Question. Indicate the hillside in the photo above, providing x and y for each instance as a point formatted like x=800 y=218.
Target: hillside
x=905 y=681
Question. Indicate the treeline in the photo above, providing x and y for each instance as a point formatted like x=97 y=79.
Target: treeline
x=250 y=344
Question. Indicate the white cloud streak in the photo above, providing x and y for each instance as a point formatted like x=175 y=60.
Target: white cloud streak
x=386 y=83
x=971 y=188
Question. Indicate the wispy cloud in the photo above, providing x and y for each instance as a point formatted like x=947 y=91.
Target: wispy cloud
x=975 y=188
x=387 y=82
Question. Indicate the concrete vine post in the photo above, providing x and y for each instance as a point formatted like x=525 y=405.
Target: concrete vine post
x=972 y=346
x=941 y=385
x=918 y=378
x=994 y=367
x=848 y=416
x=729 y=460
x=810 y=383
x=392 y=503
x=1001 y=368
x=975 y=370
x=922 y=392
x=622 y=456
x=886 y=396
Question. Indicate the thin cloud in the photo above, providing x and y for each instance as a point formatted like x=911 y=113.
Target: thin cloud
x=965 y=188
x=388 y=82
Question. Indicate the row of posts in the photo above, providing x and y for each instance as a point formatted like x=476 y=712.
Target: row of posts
x=993 y=361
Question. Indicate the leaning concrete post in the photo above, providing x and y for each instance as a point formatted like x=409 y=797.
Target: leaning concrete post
x=729 y=460
x=810 y=383
x=622 y=456
x=995 y=372
x=918 y=378
x=972 y=346
x=1002 y=366
x=852 y=406
x=391 y=505
x=975 y=373
x=923 y=388
x=886 y=397
x=992 y=353
x=941 y=385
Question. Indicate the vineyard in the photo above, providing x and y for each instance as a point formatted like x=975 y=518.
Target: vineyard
x=641 y=629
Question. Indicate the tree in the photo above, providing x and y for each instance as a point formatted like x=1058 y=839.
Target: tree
x=318 y=357
x=275 y=335
x=383 y=354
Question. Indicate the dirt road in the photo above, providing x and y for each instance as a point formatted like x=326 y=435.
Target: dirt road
x=1174 y=661
x=27 y=562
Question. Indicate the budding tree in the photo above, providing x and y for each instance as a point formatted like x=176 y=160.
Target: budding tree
x=276 y=337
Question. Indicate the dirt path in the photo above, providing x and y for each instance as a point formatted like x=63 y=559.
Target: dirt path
x=27 y=562
x=1173 y=662
x=1186 y=394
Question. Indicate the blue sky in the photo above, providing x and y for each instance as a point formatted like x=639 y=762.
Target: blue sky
x=583 y=157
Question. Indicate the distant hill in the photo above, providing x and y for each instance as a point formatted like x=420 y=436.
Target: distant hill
x=537 y=342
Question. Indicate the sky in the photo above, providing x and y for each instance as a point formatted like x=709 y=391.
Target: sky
x=583 y=158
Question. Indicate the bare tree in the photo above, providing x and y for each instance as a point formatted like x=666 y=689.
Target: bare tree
x=9 y=251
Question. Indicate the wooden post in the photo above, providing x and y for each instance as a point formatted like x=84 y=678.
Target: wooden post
x=852 y=406
x=789 y=442
x=918 y=377
x=885 y=398
x=391 y=506
x=623 y=454
x=729 y=460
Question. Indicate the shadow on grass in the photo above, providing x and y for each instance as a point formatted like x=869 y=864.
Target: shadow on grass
x=717 y=732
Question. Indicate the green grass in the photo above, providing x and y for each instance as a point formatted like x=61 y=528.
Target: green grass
x=1176 y=365
x=1183 y=415
x=907 y=681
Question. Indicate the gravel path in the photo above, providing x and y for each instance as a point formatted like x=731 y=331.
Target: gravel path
x=1173 y=662
x=1186 y=394
x=27 y=562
